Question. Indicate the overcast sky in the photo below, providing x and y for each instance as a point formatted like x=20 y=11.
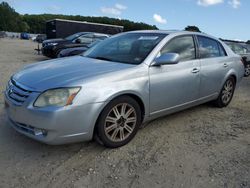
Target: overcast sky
x=221 y=18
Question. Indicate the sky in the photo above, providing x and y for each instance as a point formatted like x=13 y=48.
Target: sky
x=220 y=18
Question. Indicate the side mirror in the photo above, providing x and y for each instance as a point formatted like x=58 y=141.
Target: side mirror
x=166 y=59
x=78 y=41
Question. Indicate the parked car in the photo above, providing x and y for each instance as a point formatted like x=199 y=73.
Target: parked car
x=3 y=34
x=52 y=47
x=244 y=52
x=25 y=36
x=76 y=50
x=40 y=38
x=122 y=82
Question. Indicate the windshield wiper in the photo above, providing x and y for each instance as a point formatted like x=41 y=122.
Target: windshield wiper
x=102 y=58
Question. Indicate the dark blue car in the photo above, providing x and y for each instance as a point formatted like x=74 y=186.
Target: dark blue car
x=25 y=36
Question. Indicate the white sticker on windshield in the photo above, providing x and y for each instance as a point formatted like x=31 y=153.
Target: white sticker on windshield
x=148 y=38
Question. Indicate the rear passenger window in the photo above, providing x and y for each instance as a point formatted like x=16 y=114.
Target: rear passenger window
x=184 y=46
x=208 y=48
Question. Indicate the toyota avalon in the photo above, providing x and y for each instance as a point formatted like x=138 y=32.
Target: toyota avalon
x=122 y=82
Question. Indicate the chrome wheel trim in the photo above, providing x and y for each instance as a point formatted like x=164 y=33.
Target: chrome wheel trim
x=120 y=122
x=227 y=91
x=247 y=70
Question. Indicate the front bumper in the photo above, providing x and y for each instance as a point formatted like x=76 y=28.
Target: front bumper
x=48 y=51
x=60 y=125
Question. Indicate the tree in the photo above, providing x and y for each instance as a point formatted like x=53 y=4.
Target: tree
x=192 y=28
x=248 y=42
x=12 y=21
x=37 y=22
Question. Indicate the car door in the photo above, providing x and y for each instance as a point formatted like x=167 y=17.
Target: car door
x=214 y=66
x=176 y=84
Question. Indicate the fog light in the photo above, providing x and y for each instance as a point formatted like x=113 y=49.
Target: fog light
x=40 y=132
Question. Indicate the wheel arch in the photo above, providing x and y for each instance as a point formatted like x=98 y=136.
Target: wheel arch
x=232 y=74
x=134 y=96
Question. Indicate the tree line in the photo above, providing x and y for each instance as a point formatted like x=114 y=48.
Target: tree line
x=10 y=20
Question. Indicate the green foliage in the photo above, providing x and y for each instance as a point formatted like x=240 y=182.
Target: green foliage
x=192 y=28
x=12 y=21
x=248 y=42
x=37 y=22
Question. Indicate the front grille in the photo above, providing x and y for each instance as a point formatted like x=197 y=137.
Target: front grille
x=17 y=93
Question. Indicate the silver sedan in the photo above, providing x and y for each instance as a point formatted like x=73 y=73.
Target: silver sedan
x=122 y=82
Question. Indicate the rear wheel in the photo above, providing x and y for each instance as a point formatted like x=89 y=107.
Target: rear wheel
x=119 y=122
x=247 y=70
x=226 y=93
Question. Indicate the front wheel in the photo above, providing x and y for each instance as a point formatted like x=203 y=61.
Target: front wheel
x=118 y=122
x=226 y=93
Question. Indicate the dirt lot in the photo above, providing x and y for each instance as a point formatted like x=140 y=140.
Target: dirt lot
x=200 y=147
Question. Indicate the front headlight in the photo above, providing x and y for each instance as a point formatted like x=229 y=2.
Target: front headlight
x=53 y=44
x=57 y=97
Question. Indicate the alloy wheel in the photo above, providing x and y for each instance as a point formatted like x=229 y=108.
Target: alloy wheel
x=227 y=91
x=247 y=70
x=120 y=122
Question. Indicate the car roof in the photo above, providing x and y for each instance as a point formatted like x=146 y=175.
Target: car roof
x=83 y=33
x=174 y=32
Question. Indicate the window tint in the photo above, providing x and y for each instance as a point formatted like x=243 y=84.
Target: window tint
x=184 y=46
x=208 y=47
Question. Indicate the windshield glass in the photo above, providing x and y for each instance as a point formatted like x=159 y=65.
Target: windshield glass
x=72 y=37
x=237 y=48
x=131 y=48
x=248 y=48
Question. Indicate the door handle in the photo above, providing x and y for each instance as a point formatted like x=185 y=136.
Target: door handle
x=225 y=65
x=195 y=70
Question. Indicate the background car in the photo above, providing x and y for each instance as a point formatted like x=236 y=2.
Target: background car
x=122 y=82
x=76 y=50
x=40 y=38
x=243 y=50
x=52 y=47
x=3 y=34
x=25 y=36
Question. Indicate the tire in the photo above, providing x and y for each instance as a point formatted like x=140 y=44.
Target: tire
x=119 y=122
x=57 y=53
x=226 y=93
x=247 y=70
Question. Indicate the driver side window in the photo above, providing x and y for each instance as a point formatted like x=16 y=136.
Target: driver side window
x=184 y=46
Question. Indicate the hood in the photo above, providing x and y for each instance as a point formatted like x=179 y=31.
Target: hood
x=64 y=72
x=58 y=41
x=54 y=40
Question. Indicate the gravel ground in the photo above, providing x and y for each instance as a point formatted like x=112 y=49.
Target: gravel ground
x=200 y=147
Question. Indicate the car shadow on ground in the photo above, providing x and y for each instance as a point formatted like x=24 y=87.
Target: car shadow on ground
x=21 y=142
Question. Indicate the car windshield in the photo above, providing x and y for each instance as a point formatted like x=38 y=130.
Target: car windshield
x=130 y=48
x=237 y=48
x=72 y=37
x=248 y=48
